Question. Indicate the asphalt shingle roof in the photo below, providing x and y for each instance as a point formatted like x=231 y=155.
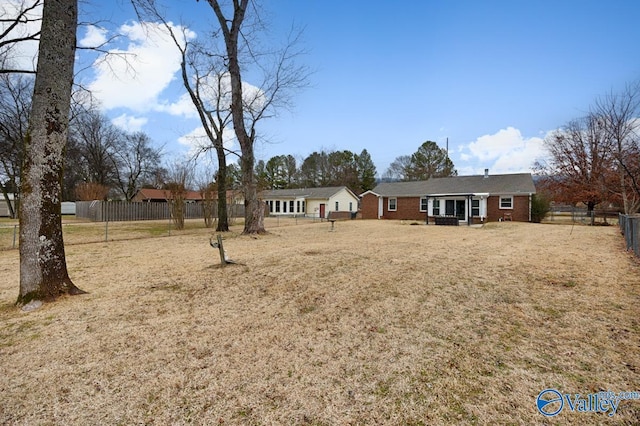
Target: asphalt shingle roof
x=493 y=184
x=309 y=193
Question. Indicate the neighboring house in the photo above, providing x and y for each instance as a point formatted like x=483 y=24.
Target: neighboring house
x=163 y=195
x=310 y=202
x=470 y=199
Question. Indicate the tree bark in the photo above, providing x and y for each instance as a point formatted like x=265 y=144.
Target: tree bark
x=253 y=215
x=43 y=267
x=223 y=217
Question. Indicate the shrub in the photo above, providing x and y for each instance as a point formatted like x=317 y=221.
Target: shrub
x=540 y=206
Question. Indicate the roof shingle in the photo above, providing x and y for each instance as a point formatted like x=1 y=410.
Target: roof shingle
x=493 y=184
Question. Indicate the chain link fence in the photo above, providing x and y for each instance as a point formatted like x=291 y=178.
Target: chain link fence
x=76 y=231
x=630 y=228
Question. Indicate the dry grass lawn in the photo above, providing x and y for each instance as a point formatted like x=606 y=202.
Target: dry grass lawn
x=378 y=322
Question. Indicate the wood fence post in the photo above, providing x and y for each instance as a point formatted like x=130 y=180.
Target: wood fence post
x=223 y=260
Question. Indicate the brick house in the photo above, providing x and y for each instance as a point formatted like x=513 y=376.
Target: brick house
x=470 y=199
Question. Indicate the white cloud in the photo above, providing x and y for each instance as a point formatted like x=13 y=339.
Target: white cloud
x=130 y=123
x=506 y=151
x=94 y=36
x=182 y=107
x=197 y=139
x=135 y=77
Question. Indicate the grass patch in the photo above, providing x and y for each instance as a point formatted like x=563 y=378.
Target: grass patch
x=375 y=324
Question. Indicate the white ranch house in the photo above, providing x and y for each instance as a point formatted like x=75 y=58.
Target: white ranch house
x=310 y=202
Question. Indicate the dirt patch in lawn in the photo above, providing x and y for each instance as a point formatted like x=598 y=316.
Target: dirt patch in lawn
x=377 y=322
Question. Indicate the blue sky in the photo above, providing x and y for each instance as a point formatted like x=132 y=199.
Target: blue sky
x=494 y=77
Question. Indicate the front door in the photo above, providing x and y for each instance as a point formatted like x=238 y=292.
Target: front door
x=322 y=210
x=461 y=209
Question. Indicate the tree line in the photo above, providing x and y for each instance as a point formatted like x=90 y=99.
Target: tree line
x=101 y=160
x=319 y=169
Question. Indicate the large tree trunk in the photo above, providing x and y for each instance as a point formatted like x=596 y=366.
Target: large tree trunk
x=43 y=267
x=253 y=222
x=253 y=209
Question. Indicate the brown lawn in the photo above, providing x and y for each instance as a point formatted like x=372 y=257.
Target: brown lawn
x=378 y=322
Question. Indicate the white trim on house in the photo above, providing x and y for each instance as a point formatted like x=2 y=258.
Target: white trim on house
x=309 y=202
x=452 y=208
x=426 y=200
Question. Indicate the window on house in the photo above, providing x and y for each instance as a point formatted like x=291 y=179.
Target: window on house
x=291 y=206
x=475 y=207
x=436 y=207
x=449 y=207
x=284 y=207
x=298 y=206
x=506 y=202
x=423 y=204
x=350 y=206
x=277 y=206
x=337 y=204
x=303 y=206
x=393 y=203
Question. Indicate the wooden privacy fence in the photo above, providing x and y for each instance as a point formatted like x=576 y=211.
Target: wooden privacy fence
x=630 y=228
x=116 y=211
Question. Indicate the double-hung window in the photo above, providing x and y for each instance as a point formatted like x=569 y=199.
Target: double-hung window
x=506 y=202
x=423 y=204
x=475 y=208
x=393 y=204
x=436 y=207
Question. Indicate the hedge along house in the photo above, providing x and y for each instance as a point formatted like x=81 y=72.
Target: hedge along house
x=469 y=199
x=310 y=202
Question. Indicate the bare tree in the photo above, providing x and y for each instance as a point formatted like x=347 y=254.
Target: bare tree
x=281 y=76
x=43 y=266
x=399 y=169
x=207 y=189
x=136 y=161
x=619 y=113
x=19 y=24
x=208 y=89
x=206 y=80
x=15 y=105
x=180 y=177
x=206 y=71
x=98 y=141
